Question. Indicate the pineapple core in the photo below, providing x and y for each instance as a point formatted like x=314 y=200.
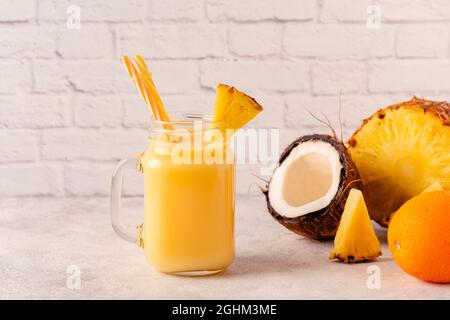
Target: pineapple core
x=355 y=239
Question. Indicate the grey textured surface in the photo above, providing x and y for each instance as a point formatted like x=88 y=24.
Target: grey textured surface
x=40 y=238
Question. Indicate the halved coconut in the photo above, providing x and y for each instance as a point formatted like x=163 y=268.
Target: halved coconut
x=309 y=188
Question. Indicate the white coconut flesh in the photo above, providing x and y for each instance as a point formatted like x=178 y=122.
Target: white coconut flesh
x=307 y=180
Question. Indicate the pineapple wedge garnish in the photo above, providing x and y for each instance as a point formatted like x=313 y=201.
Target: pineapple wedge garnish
x=355 y=239
x=233 y=108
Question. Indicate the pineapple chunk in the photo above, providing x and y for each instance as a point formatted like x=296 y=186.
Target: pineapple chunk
x=234 y=109
x=400 y=151
x=434 y=187
x=355 y=239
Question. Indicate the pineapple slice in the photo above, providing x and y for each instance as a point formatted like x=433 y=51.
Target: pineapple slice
x=355 y=238
x=233 y=109
x=400 y=151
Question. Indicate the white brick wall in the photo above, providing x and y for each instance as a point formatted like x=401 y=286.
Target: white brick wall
x=68 y=111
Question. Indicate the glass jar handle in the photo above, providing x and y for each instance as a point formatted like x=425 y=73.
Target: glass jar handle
x=126 y=232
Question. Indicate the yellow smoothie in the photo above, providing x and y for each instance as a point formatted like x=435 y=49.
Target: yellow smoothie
x=189 y=212
x=188 y=226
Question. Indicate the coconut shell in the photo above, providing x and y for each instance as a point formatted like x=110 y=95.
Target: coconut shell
x=321 y=224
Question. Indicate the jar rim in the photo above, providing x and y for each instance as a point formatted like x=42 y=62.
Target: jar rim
x=183 y=118
x=184 y=123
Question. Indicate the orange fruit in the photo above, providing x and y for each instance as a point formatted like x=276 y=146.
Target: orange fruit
x=419 y=236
